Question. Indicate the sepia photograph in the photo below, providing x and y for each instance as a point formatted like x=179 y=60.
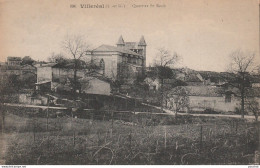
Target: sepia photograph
x=129 y=82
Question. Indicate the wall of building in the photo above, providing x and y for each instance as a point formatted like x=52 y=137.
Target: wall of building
x=28 y=99
x=201 y=103
x=110 y=63
x=96 y=86
x=44 y=74
x=61 y=74
x=215 y=103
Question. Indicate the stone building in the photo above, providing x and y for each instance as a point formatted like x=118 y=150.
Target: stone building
x=214 y=98
x=13 y=67
x=59 y=77
x=14 y=61
x=125 y=61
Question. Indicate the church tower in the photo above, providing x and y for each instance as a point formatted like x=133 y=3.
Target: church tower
x=142 y=45
x=120 y=42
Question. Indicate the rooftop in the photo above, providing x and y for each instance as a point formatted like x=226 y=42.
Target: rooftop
x=14 y=58
x=109 y=48
x=206 y=91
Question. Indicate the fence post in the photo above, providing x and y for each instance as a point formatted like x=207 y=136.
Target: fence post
x=3 y=119
x=34 y=134
x=246 y=139
x=92 y=117
x=231 y=126
x=210 y=134
x=130 y=142
x=112 y=124
x=165 y=138
x=98 y=142
x=256 y=158
x=177 y=153
x=47 y=119
x=118 y=141
x=120 y=116
x=215 y=132
x=104 y=116
x=106 y=137
x=48 y=142
x=201 y=137
x=126 y=104
x=74 y=138
x=236 y=126
x=157 y=145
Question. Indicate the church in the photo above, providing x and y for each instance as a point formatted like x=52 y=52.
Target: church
x=124 y=62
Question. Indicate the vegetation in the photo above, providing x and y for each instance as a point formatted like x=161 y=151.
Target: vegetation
x=87 y=141
x=164 y=61
x=76 y=48
x=242 y=63
x=27 y=60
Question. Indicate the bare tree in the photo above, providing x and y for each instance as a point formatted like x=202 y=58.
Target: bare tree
x=164 y=60
x=76 y=48
x=242 y=63
x=253 y=106
x=178 y=99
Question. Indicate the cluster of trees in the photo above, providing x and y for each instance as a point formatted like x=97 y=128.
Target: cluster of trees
x=27 y=60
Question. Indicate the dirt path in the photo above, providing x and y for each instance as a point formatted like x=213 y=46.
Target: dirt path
x=169 y=112
x=34 y=106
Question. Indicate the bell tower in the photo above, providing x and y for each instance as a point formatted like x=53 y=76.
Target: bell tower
x=120 y=42
x=142 y=45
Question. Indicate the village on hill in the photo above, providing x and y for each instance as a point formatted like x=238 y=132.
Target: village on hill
x=110 y=93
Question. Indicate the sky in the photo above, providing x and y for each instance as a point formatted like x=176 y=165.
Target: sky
x=203 y=32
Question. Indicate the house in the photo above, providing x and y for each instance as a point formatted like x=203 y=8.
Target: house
x=215 y=98
x=14 y=61
x=22 y=71
x=209 y=97
x=26 y=98
x=255 y=81
x=55 y=76
x=125 y=61
x=44 y=76
x=194 y=79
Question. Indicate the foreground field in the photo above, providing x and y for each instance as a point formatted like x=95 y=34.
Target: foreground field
x=69 y=140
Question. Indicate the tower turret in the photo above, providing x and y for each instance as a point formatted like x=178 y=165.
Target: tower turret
x=120 y=42
x=142 y=44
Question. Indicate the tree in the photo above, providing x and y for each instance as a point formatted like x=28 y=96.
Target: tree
x=76 y=49
x=242 y=63
x=253 y=106
x=165 y=60
x=57 y=58
x=178 y=99
x=27 y=60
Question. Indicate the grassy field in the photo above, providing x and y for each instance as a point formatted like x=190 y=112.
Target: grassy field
x=139 y=140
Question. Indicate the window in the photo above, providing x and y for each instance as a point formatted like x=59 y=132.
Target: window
x=228 y=98
x=102 y=66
